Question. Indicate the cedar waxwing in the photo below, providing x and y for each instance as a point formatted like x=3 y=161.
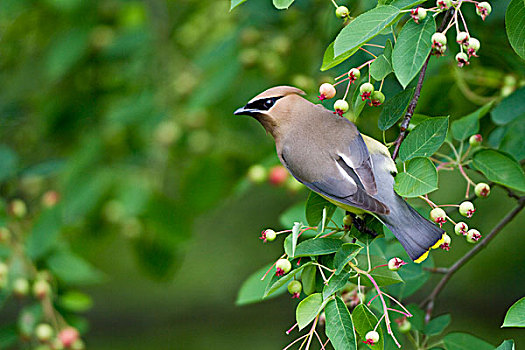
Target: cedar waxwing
x=327 y=153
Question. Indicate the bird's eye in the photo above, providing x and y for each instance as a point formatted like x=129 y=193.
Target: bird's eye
x=268 y=103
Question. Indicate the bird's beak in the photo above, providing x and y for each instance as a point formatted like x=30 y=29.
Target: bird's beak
x=245 y=111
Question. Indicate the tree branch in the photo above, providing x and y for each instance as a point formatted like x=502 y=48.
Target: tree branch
x=413 y=103
x=429 y=301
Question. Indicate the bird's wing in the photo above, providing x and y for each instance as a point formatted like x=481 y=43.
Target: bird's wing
x=331 y=177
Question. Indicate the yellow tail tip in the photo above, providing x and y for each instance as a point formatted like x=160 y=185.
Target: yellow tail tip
x=435 y=246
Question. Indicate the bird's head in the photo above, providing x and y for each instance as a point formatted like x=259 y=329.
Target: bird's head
x=271 y=107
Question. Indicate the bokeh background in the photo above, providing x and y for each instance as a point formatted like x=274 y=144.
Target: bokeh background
x=125 y=108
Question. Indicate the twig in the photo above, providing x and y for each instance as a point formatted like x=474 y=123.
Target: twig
x=417 y=92
x=429 y=301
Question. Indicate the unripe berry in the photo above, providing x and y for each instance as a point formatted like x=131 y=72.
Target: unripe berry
x=473 y=44
x=467 y=209
x=377 y=98
x=347 y=221
x=461 y=228
x=342 y=12
x=483 y=9
x=5 y=235
x=438 y=215
x=404 y=325
x=395 y=264
x=41 y=289
x=354 y=74
x=444 y=4
x=68 y=336
x=257 y=174
x=462 y=59
x=18 y=208
x=462 y=38
x=295 y=288
x=4 y=269
x=446 y=242
x=50 y=199
x=44 y=332
x=475 y=140
x=283 y=266
x=78 y=345
x=371 y=338
x=21 y=287
x=418 y=14
x=326 y=91
x=278 y=175
x=473 y=235
x=340 y=107
x=439 y=39
x=268 y=235
x=366 y=91
x=482 y=190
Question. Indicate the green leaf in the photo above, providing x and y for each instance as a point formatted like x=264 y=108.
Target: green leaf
x=512 y=141
x=282 y=4
x=469 y=125
x=279 y=281
x=318 y=246
x=500 y=168
x=515 y=22
x=336 y=283
x=364 y=322
x=406 y=4
x=45 y=232
x=292 y=215
x=382 y=275
x=387 y=52
x=412 y=49
x=464 y=341
x=75 y=301
x=380 y=68
x=512 y=107
x=330 y=61
x=394 y=108
x=252 y=289
x=308 y=309
x=339 y=327
x=365 y=27
x=9 y=336
x=9 y=161
x=235 y=3
x=314 y=209
x=419 y=178
x=515 y=316
x=72 y=269
x=347 y=252
x=308 y=279
x=425 y=139
x=506 y=345
x=66 y=50
x=437 y=325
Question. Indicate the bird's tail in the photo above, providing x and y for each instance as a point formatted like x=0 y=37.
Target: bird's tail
x=415 y=233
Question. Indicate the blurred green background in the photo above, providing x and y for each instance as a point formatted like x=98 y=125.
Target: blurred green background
x=125 y=108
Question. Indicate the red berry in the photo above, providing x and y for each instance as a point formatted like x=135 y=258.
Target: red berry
x=68 y=336
x=278 y=175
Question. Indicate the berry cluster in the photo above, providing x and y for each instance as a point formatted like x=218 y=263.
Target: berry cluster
x=276 y=176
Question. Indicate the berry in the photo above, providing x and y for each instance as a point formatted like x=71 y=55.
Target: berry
x=347 y=221
x=475 y=140
x=268 y=235
x=21 y=287
x=462 y=59
x=283 y=266
x=257 y=174
x=418 y=14
x=50 y=199
x=438 y=215
x=278 y=175
x=18 y=208
x=342 y=12
x=444 y=4
x=41 y=289
x=461 y=228
x=439 y=51
x=462 y=38
x=295 y=288
x=340 y=107
x=293 y=185
x=5 y=234
x=482 y=190
x=326 y=91
x=366 y=90
x=395 y=264
x=404 y=325
x=354 y=74
x=483 y=9
x=473 y=47
x=78 y=345
x=44 y=332
x=377 y=98
x=446 y=242
x=371 y=337
x=473 y=235
x=439 y=43
x=467 y=209
x=68 y=336
x=4 y=269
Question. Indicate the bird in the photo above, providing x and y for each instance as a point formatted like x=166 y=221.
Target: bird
x=329 y=155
